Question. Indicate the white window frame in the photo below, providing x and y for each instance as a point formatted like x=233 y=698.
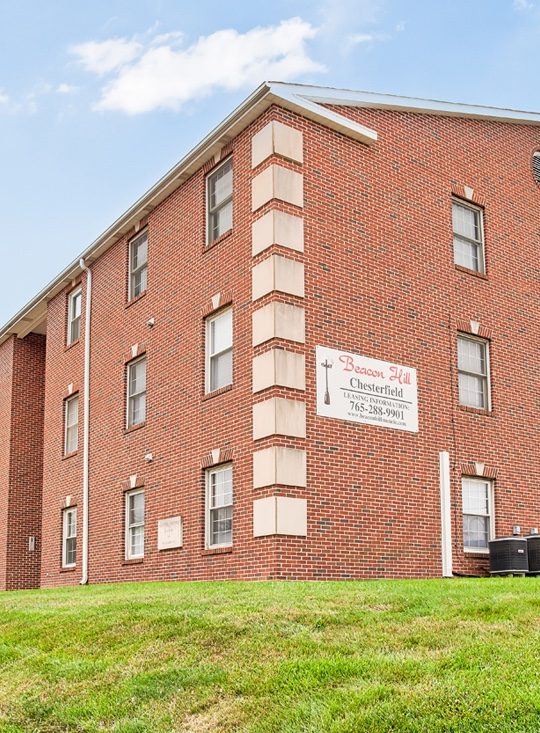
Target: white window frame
x=478 y=243
x=65 y=537
x=130 y=397
x=209 y=238
x=535 y=166
x=133 y=272
x=68 y=404
x=72 y=319
x=490 y=515
x=129 y=526
x=210 y=355
x=485 y=377
x=209 y=509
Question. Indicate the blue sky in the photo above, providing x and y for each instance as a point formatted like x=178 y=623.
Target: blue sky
x=98 y=100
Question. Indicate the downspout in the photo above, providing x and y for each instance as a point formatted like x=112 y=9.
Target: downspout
x=86 y=422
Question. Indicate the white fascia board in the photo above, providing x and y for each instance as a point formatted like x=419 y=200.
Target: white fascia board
x=350 y=98
x=286 y=95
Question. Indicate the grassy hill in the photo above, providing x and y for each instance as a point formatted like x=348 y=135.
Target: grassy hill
x=454 y=655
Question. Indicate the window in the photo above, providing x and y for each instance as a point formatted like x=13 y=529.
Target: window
x=473 y=370
x=135 y=524
x=74 y=316
x=219 y=340
x=219 y=506
x=138 y=265
x=219 y=189
x=468 y=229
x=136 y=396
x=69 y=537
x=71 y=424
x=536 y=166
x=478 y=526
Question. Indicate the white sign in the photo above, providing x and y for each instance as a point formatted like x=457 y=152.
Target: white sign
x=355 y=388
x=169 y=533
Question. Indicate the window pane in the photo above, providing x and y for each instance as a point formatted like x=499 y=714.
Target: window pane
x=137 y=377
x=71 y=551
x=76 y=305
x=221 y=370
x=475 y=532
x=72 y=439
x=72 y=411
x=137 y=409
x=220 y=185
x=75 y=330
x=221 y=488
x=136 y=508
x=221 y=526
x=221 y=332
x=139 y=252
x=136 y=541
x=138 y=282
x=472 y=391
x=71 y=524
x=221 y=220
x=466 y=221
x=475 y=497
x=471 y=356
x=466 y=254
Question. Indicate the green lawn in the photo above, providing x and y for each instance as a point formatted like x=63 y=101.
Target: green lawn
x=454 y=655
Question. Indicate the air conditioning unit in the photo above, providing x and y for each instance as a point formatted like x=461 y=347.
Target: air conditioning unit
x=508 y=555
x=533 y=551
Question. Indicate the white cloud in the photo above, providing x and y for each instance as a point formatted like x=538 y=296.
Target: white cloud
x=4 y=99
x=163 y=75
x=523 y=5
x=101 y=57
x=66 y=89
x=367 y=37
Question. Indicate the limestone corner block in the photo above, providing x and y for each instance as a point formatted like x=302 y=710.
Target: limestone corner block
x=279 y=320
x=277 y=227
x=277 y=273
x=279 y=139
x=279 y=416
x=279 y=465
x=279 y=368
x=276 y=182
x=280 y=515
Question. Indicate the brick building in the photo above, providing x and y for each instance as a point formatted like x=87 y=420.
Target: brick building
x=310 y=351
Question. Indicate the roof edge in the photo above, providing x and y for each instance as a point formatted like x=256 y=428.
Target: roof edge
x=34 y=312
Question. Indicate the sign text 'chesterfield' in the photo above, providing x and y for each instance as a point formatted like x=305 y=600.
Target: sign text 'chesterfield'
x=355 y=388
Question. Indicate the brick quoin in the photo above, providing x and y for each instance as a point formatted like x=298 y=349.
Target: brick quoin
x=380 y=281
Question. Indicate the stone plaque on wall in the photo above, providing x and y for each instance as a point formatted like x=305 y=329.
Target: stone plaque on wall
x=169 y=533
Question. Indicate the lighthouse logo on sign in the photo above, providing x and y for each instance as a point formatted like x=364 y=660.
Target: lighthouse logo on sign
x=358 y=389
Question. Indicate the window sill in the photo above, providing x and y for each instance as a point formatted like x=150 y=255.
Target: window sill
x=67 y=347
x=476 y=410
x=217 y=241
x=474 y=273
x=70 y=455
x=481 y=553
x=71 y=569
x=133 y=428
x=216 y=392
x=217 y=550
x=133 y=561
x=136 y=299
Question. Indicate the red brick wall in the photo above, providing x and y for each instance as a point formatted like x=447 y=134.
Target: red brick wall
x=6 y=384
x=21 y=459
x=380 y=281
